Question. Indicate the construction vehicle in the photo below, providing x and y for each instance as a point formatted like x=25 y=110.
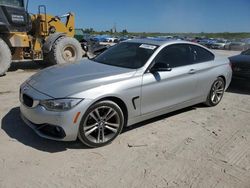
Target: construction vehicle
x=31 y=37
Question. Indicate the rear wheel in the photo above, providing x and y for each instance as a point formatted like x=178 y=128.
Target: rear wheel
x=101 y=124
x=5 y=57
x=65 y=50
x=216 y=93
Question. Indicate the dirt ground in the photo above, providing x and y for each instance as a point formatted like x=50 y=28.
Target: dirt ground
x=197 y=147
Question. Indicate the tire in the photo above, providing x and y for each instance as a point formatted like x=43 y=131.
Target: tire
x=64 y=50
x=109 y=123
x=5 y=57
x=216 y=93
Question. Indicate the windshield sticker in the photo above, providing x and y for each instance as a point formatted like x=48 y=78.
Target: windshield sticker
x=146 y=46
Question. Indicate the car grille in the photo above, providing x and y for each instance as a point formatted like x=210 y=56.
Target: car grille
x=27 y=100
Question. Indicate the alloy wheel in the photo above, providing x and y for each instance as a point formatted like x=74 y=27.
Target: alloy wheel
x=101 y=125
x=217 y=91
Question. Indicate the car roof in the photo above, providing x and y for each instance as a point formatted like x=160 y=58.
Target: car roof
x=160 y=41
x=165 y=42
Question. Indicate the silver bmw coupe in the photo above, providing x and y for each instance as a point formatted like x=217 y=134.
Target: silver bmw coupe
x=130 y=82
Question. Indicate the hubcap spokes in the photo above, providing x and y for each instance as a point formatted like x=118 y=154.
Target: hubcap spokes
x=217 y=92
x=101 y=124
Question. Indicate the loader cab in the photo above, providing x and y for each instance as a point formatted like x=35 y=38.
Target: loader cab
x=13 y=16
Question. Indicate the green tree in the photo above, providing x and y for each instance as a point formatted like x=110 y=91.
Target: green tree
x=89 y=30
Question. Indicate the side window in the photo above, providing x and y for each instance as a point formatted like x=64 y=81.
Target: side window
x=176 y=55
x=201 y=55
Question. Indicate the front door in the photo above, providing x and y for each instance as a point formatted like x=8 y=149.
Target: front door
x=161 y=89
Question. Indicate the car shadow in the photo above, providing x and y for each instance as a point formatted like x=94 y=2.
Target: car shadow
x=159 y=118
x=27 y=66
x=16 y=129
x=239 y=86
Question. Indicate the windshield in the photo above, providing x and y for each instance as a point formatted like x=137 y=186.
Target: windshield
x=15 y=3
x=127 y=55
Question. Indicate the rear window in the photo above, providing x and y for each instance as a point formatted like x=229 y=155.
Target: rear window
x=201 y=55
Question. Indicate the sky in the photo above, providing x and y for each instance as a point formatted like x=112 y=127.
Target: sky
x=164 y=16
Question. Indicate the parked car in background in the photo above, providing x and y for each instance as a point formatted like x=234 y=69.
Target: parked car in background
x=207 y=42
x=203 y=42
x=241 y=65
x=247 y=43
x=133 y=81
x=238 y=45
x=166 y=37
x=101 y=38
x=90 y=46
x=123 y=38
x=112 y=40
x=219 y=44
x=226 y=46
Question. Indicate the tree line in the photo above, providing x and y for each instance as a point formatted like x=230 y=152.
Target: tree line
x=225 y=35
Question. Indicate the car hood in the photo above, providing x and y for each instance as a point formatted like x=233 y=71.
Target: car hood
x=64 y=80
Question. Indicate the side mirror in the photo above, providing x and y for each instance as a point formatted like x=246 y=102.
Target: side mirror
x=159 y=66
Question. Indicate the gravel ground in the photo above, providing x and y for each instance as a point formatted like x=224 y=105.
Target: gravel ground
x=194 y=147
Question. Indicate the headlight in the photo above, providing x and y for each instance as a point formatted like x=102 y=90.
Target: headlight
x=60 y=104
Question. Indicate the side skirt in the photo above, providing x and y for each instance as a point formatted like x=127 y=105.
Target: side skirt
x=165 y=111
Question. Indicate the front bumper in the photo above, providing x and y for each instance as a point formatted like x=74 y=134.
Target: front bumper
x=49 y=124
x=46 y=130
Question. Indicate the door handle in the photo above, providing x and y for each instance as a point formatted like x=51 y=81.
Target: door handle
x=192 y=71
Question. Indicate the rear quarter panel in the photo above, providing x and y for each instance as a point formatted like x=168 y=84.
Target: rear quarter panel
x=208 y=72
x=223 y=68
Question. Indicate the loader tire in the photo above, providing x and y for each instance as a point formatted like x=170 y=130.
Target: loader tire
x=65 y=50
x=5 y=57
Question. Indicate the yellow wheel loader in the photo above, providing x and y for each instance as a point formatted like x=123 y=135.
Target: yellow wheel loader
x=30 y=37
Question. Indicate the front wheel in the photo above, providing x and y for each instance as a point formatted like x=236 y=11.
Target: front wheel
x=101 y=124
x=216 y=93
